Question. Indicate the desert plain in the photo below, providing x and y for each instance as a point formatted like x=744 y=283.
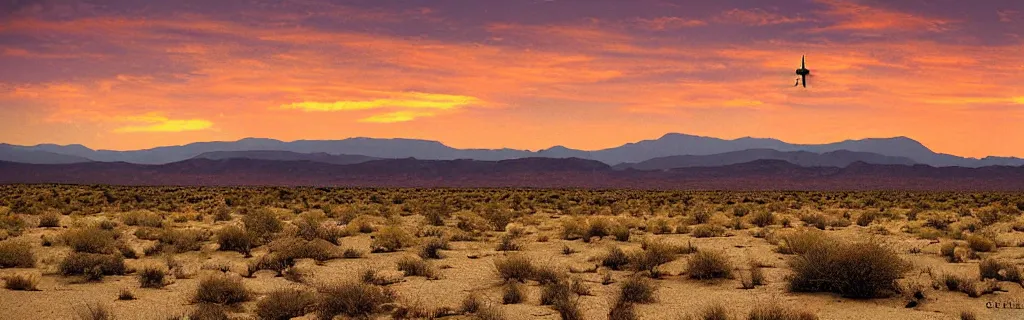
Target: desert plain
x=108 y=252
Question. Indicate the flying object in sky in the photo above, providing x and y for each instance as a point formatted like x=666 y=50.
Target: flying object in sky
x=803 y=73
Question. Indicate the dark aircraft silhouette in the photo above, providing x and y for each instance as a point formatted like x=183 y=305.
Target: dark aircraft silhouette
x=803 y=73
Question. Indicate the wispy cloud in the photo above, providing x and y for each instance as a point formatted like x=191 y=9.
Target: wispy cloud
x=1007 y=15
x=397 y=116
x=850 y=15
x=757 y=17
x=156 y=122
x=669 y=23
x=410 y=100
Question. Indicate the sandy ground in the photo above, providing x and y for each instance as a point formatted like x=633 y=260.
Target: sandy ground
x=468 y=268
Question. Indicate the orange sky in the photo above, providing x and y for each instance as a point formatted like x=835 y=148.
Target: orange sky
x=528 y=75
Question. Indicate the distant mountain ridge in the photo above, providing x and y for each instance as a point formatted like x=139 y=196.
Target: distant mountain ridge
x=669 y=145
x=286 y=156
x=839 y=158
x=526 y=172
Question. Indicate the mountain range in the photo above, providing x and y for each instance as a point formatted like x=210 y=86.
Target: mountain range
x=524 y=172
x=673 y=150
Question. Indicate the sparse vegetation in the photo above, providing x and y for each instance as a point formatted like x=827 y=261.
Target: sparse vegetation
x=221 y=289
x=551 y=242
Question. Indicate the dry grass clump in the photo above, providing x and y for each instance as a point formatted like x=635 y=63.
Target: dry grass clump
x=391 y=239
x=560 y=295
x=707 y=264
x=142 y=218
x=774 y=311
x=857 y=270
x=21 y=282
x=262 y=224
x=182 y=240
x=967 y=315
x=90 y=240
x=93 y=265
x=707 y=231
x=414 y=267
x=513 y=293
x=637 y=290
x=508 y=242
x=981 y=243
x=351 y=299
x=948 y=250
x=284 y=304
x=801 y=241
x=616 y=259
x=94 y=312
x=515 y=267
x=284 y=253
x=221 y=289
x=990 y=268
x=715 y=311
x=763 y=218
x=622 y=311
x=16 y=254
x=233 y=238
x=866 y=218
x=654 y=254
x=152 y=277
x=125 y=295
x=753 y=277
x=49 y=220
x=431 y=249
x=11 y=225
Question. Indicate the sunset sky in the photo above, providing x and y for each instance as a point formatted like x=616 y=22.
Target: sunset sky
x=525 y=74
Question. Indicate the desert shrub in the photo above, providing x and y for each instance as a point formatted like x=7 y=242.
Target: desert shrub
x=801 y=241
x=615 y=259
x=262 y=224
x=370 y=276
x=653 y=255
x=514 y=267
x=659 y=226
x=124 y=294
x=857 y=270
x=991 y=268
x=620 y=232
x=233 y=238
x=637 y=290
x=512 y=293
x=391 y=239
x=411 y=266
x=351 y=299
x=21 y=282
x=498 y=216
x=714 y=311
x=92 y=265
x=508 y=243
x=16 y=254
x=762 y=218
x=284 y=304
x=152 y=277
x=49 y=220
x=351 y=253
x=206 y=311
x=308 y=224
x=362 y=224
x=980 y=243
x=569 y=309
x=816 y=220
x=90 y=240
x=12 y=224
x=709 y=265
x=471 y=304
x=866 y=218
x=94 y=312
x=142 y=218
x=708 y=230
x=285 y=251
x=471 y=222
x=967 y=315
x=774 y=311
x=553 y=294
x=431 y=249
x=183 y=240
x=701 y=216
x=221 y=213
x=574 y=228
x=221 y=289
